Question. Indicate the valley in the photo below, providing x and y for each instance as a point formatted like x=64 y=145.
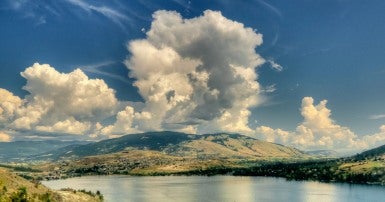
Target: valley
x=172 y=153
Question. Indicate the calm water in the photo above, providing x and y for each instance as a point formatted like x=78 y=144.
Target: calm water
x=218 y=188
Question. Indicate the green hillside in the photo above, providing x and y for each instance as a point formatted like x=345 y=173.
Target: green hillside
x=15 y=188
x=378 y=152
x=366 y=168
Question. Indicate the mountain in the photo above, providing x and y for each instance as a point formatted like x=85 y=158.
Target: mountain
x=220 y=145
x=370 y=163
x=160 y=153
x=19 y=151
x=378 y=152
x=165 y=153
x=365 y=168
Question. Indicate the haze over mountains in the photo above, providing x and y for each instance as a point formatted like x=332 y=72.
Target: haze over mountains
x=19 y=151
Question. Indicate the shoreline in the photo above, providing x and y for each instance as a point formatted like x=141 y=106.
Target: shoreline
x=233 y=174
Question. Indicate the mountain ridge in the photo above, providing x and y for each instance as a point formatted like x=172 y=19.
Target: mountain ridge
x=371 y=153
x=178 y=144
x=159 y=153
x=169 y=153
x=19 y=151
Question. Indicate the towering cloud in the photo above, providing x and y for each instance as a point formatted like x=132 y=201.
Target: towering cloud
x=196 y=74
x=319 y=131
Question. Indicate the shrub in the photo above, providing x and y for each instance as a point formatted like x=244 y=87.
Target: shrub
x=20 y=195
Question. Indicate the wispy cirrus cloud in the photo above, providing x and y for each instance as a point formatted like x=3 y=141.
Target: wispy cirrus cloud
x=108 y=12
x=17 y=4
x=270 y=89
x=40 y=11
x=377 y=116
x=28 y=9
x=97 y=68
x=270 y=7
x=277 y=67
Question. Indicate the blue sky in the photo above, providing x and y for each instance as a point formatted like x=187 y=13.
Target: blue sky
x=328 y=50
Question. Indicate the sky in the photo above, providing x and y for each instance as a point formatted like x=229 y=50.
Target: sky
x=304 y=73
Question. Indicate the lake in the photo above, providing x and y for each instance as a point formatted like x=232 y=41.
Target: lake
x=218 y=188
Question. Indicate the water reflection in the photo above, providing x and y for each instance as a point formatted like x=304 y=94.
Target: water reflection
x=236 y=189
x=218 y=188
x=313 y=191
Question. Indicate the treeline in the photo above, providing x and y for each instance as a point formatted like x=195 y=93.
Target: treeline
x=90 y=193
x=321 y=170
x=20 y=168
x=324 y=171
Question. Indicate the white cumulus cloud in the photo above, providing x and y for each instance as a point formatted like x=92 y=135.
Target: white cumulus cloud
x=5 y=137
x=319 y=131
x=59 y=102
x=196 y=74
x=70 y=126
x=376 y=139
x=127 y=121
x=9 y=103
